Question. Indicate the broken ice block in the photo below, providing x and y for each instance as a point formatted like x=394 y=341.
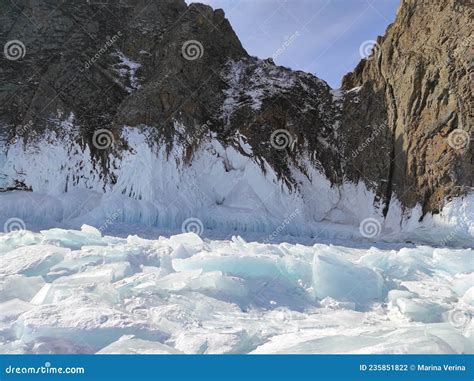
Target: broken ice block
x=72 y=239
x=10 y=310
x=31 y=260
x=343 y=280
x=98 y=274
x=454 y=261
x=19 y=286
x=180 y=251
x=128 y=344
x=420 y=310
x=191 y=241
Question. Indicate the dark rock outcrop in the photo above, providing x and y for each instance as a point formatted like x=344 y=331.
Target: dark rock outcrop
x=132 y=63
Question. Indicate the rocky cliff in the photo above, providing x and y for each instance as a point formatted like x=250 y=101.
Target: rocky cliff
x=419 y=80
x=86 y=86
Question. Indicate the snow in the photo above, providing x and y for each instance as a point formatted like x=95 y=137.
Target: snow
x=127 y=69
x=11 y=310
x=249 y=83
x=78 y=291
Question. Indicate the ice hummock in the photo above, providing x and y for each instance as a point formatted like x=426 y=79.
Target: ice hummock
x=79 y=291
x=128 y=344
x=343 y=280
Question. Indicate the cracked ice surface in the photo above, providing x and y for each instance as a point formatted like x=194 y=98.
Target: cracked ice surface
x=66 y=291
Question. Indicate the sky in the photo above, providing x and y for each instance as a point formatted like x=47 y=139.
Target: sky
x=323 y=37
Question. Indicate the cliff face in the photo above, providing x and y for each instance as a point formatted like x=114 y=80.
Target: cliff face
x=420 y=80
x=109 y=64
x=399 y=124
x=158 y=64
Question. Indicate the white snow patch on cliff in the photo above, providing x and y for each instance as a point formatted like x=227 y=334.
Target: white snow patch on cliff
x=127 y=69
x=249 y=83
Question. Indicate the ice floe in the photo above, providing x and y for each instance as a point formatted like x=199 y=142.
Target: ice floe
x=79 y=291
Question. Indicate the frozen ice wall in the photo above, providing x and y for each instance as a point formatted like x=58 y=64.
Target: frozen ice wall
x=224 y=188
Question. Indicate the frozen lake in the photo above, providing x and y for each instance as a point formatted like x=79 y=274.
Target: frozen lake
x=77 y=291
